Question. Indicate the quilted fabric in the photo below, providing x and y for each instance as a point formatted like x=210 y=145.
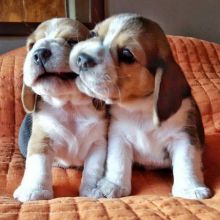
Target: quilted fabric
x=200 y=62
x=150 y=198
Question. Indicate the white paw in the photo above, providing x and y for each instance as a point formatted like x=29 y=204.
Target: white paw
x=200 y=192
x=111 y=190
x=90 y=191
x=23 y=193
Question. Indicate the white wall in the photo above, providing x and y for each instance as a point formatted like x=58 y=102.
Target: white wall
x=196 y=18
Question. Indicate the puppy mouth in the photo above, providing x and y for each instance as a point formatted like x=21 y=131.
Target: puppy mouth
x=92 y=92
x=60 y=75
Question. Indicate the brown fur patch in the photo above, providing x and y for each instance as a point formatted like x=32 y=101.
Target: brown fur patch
x=29 y=99
x=39 y=142
x=194 y=127
x=102 y=28
x=66 y=28
x=98 y=104
x=173 y=89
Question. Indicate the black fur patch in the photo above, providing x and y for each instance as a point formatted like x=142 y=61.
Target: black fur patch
x=194 y=127
x=25 y=134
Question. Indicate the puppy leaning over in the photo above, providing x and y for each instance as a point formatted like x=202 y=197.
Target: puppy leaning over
x=66 y=125
x=155 y=121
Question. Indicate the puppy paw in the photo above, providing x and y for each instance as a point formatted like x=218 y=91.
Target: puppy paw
x=200 y=192
x=24 y=194
x=111 y=190
x=90 y=191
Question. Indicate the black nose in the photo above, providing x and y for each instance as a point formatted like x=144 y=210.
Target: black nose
x=41 y=56
x=85 y=61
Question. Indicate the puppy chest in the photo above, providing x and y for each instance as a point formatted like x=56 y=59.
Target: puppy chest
x=65 y=127
x=150 y=151
x=150 y=146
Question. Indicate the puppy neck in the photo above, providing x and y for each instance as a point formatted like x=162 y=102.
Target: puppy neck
x=63 y=100
x=139 y=104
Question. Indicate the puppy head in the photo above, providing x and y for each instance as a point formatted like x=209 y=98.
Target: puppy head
x=46 y=67
x=128 y=57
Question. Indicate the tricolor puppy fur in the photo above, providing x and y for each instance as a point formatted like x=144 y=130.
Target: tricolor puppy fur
x=66 y=126
x=155 y=121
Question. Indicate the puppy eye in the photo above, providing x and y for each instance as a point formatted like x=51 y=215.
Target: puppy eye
x=72 y=42
x=30 y=45
x=92 y=34
x=126 y=56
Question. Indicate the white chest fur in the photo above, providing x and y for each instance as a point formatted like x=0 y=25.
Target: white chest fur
x=72 y=130
x=151 y=145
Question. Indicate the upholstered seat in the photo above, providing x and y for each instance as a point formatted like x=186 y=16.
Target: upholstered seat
x=151 y=198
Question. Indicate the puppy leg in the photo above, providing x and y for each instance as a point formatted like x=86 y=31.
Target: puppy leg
x=117 y=180
x=93 y=170
x=37 y=180
x=188 y=176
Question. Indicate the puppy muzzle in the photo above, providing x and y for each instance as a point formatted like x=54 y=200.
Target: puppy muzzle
x=41 y=57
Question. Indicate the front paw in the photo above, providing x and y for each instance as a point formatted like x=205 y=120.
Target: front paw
x=111 y=190
x=90 y=191
x=199 y=192
x=23 y=193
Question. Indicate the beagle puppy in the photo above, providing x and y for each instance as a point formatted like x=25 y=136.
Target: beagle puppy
x=155 y=121
x=66 y=126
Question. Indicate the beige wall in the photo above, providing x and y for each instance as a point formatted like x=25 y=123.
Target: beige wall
x=196 y=18
x=10 y=43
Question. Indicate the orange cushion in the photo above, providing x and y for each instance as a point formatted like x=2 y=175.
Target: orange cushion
x=151 y=189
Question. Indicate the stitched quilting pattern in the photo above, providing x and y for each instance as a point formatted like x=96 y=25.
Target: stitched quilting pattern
x=200 y=61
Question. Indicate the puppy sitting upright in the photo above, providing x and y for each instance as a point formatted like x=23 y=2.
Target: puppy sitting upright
x=154 y=119
x=66 y=126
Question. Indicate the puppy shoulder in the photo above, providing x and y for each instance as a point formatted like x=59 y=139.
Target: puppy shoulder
x=188 y=120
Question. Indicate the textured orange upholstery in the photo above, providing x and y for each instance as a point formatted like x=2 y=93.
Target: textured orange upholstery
x=150 y=198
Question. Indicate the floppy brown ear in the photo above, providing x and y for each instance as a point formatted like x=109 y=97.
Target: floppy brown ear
x=28 y=98
x=171 y=87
